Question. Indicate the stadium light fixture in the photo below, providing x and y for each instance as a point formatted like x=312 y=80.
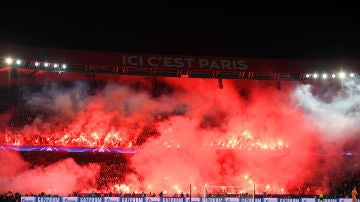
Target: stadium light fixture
x=56 y=65
x=315 y=76
x=342 y=75
x=333 y=76
x=18 y=62
x=64 y=66
x=46 y=64
x=352 y=75
x=37 y=64
x=324 y=76
x=9 y=61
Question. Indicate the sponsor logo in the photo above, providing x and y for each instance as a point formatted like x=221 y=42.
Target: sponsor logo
x=91 y=199
x=149 y=200
x=49 y=199
x=232 y=200
x=112 y=200
x=70 y=200
x=27 y=200
x=172 y=199
x=131 y=199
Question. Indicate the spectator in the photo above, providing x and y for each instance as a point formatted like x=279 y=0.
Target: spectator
x=354 y=194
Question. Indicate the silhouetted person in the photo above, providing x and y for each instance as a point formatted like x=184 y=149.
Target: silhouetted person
x=353 y=194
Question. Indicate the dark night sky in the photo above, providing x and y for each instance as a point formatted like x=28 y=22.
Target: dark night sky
x=286 y=33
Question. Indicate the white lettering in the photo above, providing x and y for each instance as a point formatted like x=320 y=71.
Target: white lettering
x=152 y=199
x=203 y=63
x=225 y=64
x=140 y=61
x=149 y=200
x=241 y=65
x=70 y=199
x=232 y=200
x=172 y=199
x=214 y=65
x=179 y=62
x=49 y=199
x=132 y=199
x=193 y=199
x=28 y=199
x=112 y=200
x=168 y=62
x=133 y=60
x=151 y=63
x=91 y=199
x=189 y=62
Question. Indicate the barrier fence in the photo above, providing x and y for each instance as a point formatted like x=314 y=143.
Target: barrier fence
x=174 y=199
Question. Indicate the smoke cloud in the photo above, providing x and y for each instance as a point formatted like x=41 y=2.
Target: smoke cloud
x=188 y=131
x=62 y=177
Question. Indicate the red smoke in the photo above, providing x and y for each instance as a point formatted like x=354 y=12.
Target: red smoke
x=186 y=131
x=62 y=177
